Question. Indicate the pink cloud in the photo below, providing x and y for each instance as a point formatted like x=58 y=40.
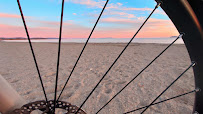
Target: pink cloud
x=116 y=6
x=160 y=31
x=50 y=24
x=121 y=14
x=45 y=32
x=137 y=9
x=90 y=3
x=153 y=28
x=5 y=15
x=38 y=28
x=122 y=8
x=121 y=21
x=158 y=28
x=96 y=3
x=11 y=31
x=151 y=21
x=120 y=4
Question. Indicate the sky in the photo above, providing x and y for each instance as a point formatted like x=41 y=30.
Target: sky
x=121 y=19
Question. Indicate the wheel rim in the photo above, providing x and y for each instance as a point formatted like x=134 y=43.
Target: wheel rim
x=185 y=22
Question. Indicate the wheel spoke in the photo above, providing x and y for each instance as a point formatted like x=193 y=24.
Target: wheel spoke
x=31 y=48
x=158 y=4
x=83 y=48
x=59 y=50
x=196 y=90
x=139 y=73
x=192 y=64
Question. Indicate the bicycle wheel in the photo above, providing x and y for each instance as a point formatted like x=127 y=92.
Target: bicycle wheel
x=177 y=11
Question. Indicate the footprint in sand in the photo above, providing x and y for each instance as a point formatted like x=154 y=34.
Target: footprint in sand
x=14 y=81
x=69 y=94
x=77 y=85
x=121 y=82
x=28 y=92
x=108 y=91
x=108 y=88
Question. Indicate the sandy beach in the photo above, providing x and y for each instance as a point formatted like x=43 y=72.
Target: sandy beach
x=17 y=67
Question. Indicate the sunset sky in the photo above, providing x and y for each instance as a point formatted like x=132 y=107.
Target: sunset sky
x=121 y=19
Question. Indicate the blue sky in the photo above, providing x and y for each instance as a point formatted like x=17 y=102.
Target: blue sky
x=120 y=16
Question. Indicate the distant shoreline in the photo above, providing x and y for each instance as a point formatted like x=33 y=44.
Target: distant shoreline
x=22 y=38
x=99 y=40
x=25 y=38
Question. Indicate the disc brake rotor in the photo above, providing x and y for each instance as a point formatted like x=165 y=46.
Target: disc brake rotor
x=47 y=107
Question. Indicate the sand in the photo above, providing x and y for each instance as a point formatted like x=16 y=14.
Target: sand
x=17 y=67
